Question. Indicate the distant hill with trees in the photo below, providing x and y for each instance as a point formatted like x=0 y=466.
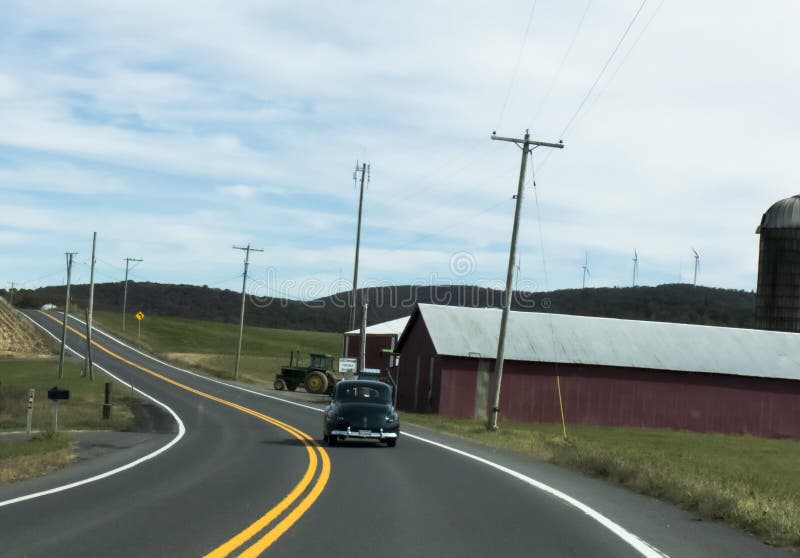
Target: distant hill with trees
x=667 y=303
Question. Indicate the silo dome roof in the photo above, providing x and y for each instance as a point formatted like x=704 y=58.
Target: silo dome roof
x=784 y=214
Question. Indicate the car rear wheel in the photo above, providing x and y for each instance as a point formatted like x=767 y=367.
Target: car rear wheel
x=316 y=382
x=391 y=442
x=333 y=440
x=279 y=384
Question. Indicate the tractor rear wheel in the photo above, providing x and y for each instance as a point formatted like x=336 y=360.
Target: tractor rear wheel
x=316 y=382
x=279 y=384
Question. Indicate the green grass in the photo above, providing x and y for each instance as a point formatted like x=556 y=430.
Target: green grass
x=211 y=346
x=40 y=455
x=752 y=483
x=48 y=451
x=82 y=411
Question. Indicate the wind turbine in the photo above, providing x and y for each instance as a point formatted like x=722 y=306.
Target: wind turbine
x=585 y=270
x=635 y=266
x=696 y=265
x=516 y=278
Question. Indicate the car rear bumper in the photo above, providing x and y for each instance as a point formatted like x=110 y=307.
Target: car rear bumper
x=371 y=435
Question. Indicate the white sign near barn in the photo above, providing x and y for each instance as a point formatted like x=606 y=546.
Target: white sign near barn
x=347 y=366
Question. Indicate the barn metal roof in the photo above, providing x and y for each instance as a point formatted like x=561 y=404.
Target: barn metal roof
x=783 y=214
x=544 y=337
x=392 y=327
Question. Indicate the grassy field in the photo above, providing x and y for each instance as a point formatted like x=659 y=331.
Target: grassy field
x=211 y=346
x=752 y=483
x=83 y=411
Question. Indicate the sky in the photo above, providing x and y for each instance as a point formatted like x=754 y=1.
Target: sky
x=177 y=130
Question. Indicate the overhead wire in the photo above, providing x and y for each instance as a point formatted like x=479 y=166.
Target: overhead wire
x=625 y=57
x=603 y=69
x=561 y=65
x=619 y=43
x=516 y=65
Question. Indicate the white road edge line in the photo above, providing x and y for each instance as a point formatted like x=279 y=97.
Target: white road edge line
x=634 y=541
x=156 y=453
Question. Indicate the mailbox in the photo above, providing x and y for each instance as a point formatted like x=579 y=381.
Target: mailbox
x=57 y=394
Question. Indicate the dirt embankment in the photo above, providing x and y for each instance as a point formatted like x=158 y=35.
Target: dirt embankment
x=18 y=337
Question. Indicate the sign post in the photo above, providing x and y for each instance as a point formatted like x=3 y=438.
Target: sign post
x=55 y=395
x=139 y=318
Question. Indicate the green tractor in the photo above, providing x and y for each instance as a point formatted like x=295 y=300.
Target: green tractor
x=317 y=377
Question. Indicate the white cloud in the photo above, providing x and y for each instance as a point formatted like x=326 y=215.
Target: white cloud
x=257 y=113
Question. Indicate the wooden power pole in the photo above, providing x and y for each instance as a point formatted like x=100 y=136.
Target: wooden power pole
x=527 y=146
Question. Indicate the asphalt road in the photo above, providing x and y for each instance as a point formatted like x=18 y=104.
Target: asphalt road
x=246 y=474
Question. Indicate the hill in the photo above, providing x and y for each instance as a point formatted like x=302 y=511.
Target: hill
x=670 y=303
x=18 y=337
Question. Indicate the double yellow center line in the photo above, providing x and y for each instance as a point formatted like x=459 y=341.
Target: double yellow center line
x=318 y=462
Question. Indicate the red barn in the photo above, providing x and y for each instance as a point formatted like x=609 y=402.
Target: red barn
x=612 y=372
x=379 y=337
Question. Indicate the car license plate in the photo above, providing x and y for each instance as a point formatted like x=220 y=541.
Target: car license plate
x=366 y=433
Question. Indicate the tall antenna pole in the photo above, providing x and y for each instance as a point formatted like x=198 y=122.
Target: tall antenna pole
x=247 y=251
x=696 y=265
x=89 y=368
x=66 y=315
x=364 y=169
x=125 y=290
x=11 y=294
x=635 y=267
x=525 y=144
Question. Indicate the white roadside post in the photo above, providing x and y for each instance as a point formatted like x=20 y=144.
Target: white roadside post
x=29 y=426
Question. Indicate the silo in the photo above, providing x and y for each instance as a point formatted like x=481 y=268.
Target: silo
x=778 y=295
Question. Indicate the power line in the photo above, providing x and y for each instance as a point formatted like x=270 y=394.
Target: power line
x=625 y=57
x=561 y=64
x=516 y=65
x=603 y=70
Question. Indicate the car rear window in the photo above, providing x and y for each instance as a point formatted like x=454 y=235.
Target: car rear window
x=365 y=393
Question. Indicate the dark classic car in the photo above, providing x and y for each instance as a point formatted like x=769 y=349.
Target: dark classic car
x=361 y=409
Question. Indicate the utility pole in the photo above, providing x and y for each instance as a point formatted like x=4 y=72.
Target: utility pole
x=527 y=145
x=66 y=315
x=125 y=291
x=364 y=169
x=11 y=294
x=247 y=251
x=362 y=360
x=89 y=369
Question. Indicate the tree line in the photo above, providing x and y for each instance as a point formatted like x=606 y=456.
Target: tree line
x=680 y=303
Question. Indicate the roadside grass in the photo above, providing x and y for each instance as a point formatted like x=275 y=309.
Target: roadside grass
x=42 y=454
x=21 y=458
x=752 y=483
x=84 y=409
x=211 y=346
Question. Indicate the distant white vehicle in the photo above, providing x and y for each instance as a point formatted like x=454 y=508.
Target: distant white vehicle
x=48 y=307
